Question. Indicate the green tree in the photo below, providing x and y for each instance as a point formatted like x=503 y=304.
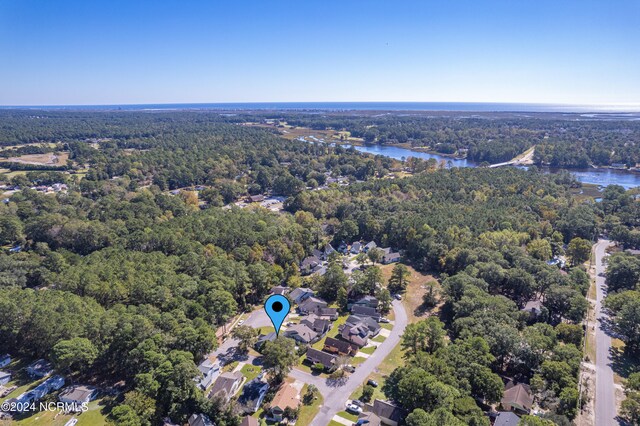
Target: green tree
x=246 y=335
x=578 y=250
x=279 y=357
x=540 y=249
x=399 y=278
x=375 y=255
x=74 y=354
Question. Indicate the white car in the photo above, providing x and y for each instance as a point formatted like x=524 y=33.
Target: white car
x=353 y=408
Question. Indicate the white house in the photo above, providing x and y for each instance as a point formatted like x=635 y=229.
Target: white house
x=5 y=377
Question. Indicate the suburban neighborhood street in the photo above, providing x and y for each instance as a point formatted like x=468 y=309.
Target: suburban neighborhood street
x=605 y=404
x=334 y=401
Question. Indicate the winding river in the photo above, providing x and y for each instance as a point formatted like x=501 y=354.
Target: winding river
x=603 y=177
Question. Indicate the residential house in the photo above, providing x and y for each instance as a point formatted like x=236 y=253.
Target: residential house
x=533 y=307
x=506 y=418
x=517 y=398
x=328 y=251
x=358 y=330
x=330 y=314
x=286 y=397
x=39 y=369
x=255 y=198
x=5 y=377
x=369 y=301
x=301 y=334
x=309 y=265
x=356 y=247
x=356 y=334
x=210 y=371
x=300 y=294
x=200 y=420
x=264 y=338
x=370 y=245
x=315 y=356
x=319 y=325
x=252 y=396
x=388 y=413
x=368 y=418
x=281 y=290
x=390 y=257
x=77 y=395
x=365 y=311
x=5 y=360
x=226 y=385
x=249 y=421
x=311 y=304
x=339 y=347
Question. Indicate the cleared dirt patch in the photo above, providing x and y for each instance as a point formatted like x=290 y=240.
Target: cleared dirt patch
x=49 y=159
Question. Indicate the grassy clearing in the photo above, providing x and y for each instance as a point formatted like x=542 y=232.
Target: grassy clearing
x=308 y=412
x=368 y=350
x=229 y=367
x=379 y=338
x=250 y=371
x=348 y=416
x=334 y=423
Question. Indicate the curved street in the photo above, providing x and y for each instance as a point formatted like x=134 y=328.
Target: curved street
x=605 y=404
x=335 y=397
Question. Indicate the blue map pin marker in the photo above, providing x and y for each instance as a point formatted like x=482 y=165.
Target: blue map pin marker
x=277 y=308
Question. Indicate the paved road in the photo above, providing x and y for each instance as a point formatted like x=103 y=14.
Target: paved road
x=605 y=407
x=226 y=351
x=336 y=396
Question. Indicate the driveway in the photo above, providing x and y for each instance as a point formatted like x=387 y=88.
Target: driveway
x=226 y=351
x=336 y=394
x=605 y=406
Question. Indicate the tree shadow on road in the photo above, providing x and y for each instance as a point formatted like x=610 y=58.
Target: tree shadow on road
x=622 y=363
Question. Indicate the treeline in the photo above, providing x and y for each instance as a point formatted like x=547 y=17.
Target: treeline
x=559 y=142
x=488 y=233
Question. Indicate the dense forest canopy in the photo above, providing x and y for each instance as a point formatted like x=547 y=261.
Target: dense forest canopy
x=139 y=278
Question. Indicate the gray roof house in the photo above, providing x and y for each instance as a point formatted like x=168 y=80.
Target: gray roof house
x=309 y=264
x=370 y=245
x=5 y=360
x=226 y=385
x=5 y=377
x=356 y=247
x=300 y=294
x=330 y=314
x=40 y=369
x=390 y=257
x=315 y=356
x=506 y=418
x=365 y=311
x=301 y=333
x=281 y=290
x=369 y=301
x=77 y=395
x=358 y=334
x=252 y=396
x=311 y=304
x=264 y=338
x=389 y=414
x=210 y=371
x=316 y=323
x=200 y=420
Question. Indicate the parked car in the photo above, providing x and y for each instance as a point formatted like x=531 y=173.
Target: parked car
x=385 y=320
x=372 y=382
x=398 y=296
x=358 y=402
x=349 y=368
x=353 y=408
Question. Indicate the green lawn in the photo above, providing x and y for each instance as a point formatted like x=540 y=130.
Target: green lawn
x=387 y=326
x=229 y=367
x=348 y=416
x=368 y=350
x=379 y=338
x=93 y=416
x=308 y=412
x=334 y=423
x=250 y=371
x=357 y=360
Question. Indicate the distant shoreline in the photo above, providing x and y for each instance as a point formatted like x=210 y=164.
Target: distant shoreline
x=622 y=110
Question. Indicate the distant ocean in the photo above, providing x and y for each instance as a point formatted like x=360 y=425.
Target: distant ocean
x=355 y=106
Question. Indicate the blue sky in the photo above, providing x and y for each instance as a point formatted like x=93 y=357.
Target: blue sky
x=117 y=52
